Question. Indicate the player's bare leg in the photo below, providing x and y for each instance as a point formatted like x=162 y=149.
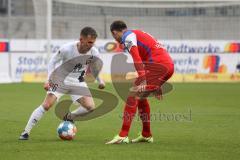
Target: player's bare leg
x=86 y=105
x=37 y=115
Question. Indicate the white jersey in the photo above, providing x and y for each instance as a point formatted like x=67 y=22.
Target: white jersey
x=67 y=52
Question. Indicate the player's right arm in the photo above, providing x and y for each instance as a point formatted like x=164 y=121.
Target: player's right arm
x=55 y=59
x=138 y=65
x=130 y=42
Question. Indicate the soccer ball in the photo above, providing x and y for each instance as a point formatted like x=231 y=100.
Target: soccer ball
x=66 y=130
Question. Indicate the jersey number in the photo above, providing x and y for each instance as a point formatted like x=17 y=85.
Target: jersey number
x=81 y=77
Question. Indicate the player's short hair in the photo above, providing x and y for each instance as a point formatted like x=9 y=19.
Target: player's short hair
x=86 y=31
x=118 y=26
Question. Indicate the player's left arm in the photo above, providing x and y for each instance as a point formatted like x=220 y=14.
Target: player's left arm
x=96 y=67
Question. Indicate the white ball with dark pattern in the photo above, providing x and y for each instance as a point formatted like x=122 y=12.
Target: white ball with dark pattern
x=66 y=130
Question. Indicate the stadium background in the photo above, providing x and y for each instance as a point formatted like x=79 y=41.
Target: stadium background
x=198 y=120
x=202 y=36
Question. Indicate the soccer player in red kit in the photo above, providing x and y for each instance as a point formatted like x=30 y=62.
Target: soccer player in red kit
x=154 y=67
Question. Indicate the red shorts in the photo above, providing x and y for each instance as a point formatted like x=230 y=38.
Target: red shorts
x=155 y=75
x=158 y=73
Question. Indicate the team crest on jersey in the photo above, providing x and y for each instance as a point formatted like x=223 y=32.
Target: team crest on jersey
x=128 y=44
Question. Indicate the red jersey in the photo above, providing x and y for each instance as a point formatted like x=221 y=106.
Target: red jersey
x=150 y=50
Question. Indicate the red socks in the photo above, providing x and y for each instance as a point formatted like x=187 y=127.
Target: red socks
x=129 y=113
x=144 y=113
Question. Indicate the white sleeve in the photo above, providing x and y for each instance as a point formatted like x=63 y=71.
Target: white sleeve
x=95 y=52
x=55 y=59
x=130 y=41
x=96 y=65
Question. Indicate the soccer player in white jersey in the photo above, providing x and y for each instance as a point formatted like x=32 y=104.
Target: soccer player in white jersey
x=68 y=51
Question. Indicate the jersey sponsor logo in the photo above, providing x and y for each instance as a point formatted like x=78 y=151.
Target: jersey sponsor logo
x=77 y=68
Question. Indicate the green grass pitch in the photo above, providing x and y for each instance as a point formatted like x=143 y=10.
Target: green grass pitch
x=202 y=121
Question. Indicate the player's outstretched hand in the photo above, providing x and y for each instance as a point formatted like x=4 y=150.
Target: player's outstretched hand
x=101 y=86
x=46 y=86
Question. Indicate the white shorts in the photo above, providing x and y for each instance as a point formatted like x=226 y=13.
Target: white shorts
x=74 y=85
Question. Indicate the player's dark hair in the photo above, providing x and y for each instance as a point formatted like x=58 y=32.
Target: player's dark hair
x=86 y=31
x=118 y=26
